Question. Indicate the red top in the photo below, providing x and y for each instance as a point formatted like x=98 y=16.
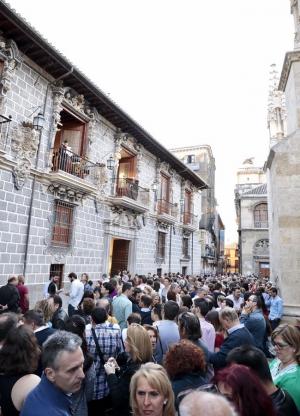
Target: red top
x=24 y=304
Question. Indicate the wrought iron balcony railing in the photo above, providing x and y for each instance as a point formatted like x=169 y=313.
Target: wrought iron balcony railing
x=4 y=129
x=261 y=224
x=188 y=218
x=68 y=161
x=166 y=207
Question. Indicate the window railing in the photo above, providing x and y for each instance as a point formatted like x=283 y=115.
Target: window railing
x=188 y=218
x=4 y=130
x=166 y=207
x=68 y=161
x=261 y=224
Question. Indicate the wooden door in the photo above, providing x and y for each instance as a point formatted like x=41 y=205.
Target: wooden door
x=119 y=260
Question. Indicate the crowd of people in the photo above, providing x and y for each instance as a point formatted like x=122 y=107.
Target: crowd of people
x=148 y=345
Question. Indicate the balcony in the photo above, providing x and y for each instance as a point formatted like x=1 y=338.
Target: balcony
x=261 y=224
x=73 y=172
x=4 y=129
x=166 y=211
x=130 y=195
x=190 y=221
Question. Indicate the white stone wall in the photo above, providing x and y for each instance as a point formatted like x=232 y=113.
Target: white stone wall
x=93 y=229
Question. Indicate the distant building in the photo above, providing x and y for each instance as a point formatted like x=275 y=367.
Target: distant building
x=231 y=255
x=251 y=204
x=200 y=159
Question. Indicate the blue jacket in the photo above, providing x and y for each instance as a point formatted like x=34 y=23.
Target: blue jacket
x=47 y=400
x=256 y=325
x=240 y=336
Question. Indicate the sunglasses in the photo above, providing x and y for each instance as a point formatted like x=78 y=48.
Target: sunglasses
x=280 y=345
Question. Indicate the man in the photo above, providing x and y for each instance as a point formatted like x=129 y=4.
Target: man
x=201 y=403
x=255 y=359
x=23 y=292
x=75 y=294
x=50 y=288
x=164 y=291
x=62 y=359
x=200 y=292
x=122 y=307
x=201 y=309
x=237 y=335
x=60 y=315
x=145 y=312
x=108 y=338
x=253 y=319
x=9 y=296
x=276 y=308
x=167 y=329
x=106 y=290
x=237 y=299
x=135 y=299
x=35 y=321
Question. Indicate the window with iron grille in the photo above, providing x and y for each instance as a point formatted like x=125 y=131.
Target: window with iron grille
x=161 y=245
x=261 y=216
x=63 y=224
x=185 y=247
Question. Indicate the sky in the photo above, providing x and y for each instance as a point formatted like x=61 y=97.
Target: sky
x=189 y=71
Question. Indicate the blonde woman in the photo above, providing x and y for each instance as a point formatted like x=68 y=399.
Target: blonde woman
x=151 y=392
x=139 y=351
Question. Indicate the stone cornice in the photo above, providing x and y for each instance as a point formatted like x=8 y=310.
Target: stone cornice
x=290 y=58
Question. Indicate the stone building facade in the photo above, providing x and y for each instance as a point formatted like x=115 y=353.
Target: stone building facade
x=283 y=172
x=251 y=202
x=91 y=191
x=200 y=159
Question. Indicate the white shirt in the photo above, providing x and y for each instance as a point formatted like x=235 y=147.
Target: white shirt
x=76 y=293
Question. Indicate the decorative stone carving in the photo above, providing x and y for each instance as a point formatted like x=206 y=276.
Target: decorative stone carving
x=24 y=143
x=66 y=193
x=261 y=248
x=11 y=58
x=101 y=178
x=162 y=226
x=77 y=101
x=127 y=218
x=276 y=110
x=296 y=14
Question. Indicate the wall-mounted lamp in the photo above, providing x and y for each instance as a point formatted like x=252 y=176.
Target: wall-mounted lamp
x=38 y=122
x=110 y=163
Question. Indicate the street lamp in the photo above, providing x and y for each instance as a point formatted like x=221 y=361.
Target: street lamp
x=38 y=122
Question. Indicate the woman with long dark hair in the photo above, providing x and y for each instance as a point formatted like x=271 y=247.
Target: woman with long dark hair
x=243 y=388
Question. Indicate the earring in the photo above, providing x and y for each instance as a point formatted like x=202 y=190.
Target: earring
x=165 y=401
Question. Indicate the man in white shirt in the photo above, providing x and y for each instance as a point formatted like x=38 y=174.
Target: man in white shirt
x=237 y=299
x=75 y=294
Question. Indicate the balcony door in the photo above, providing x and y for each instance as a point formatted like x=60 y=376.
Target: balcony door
x=164 y=201
x=126 y=176
x=187 y=214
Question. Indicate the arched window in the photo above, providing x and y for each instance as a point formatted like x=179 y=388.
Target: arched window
x=261 y=216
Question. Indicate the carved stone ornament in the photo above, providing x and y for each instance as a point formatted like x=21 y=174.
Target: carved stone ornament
x=24 y=143
x=127 y=218
x=77 y=101
x=66 y=193
x=101 y=178
x=261 y=248
x=11 y=58
x=162 y=226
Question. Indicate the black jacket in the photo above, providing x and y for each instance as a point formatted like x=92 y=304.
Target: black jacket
x=9 y=295
x=283 y=403
x=119 y=388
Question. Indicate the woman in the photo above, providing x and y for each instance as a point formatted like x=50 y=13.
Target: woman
x=186 y=366
x=285 y=368
x=213 y=318
x=76 y=325
x=153 y=334
x=243 y=388
x=46 y=306
x=151 y=392
x=156 y=313
x=139 y=350
x=174 y=293
x=19 y=357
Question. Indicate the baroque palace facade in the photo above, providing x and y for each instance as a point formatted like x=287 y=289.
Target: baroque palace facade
x=83 y=187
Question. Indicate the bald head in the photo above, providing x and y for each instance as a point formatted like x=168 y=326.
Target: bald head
x=200 y=403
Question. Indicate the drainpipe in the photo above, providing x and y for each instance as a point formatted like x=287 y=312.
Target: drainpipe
x=170 y=247
x=192 y=263
x=34 y=178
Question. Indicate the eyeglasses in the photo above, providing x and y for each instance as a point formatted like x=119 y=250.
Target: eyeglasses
x=280 y=345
